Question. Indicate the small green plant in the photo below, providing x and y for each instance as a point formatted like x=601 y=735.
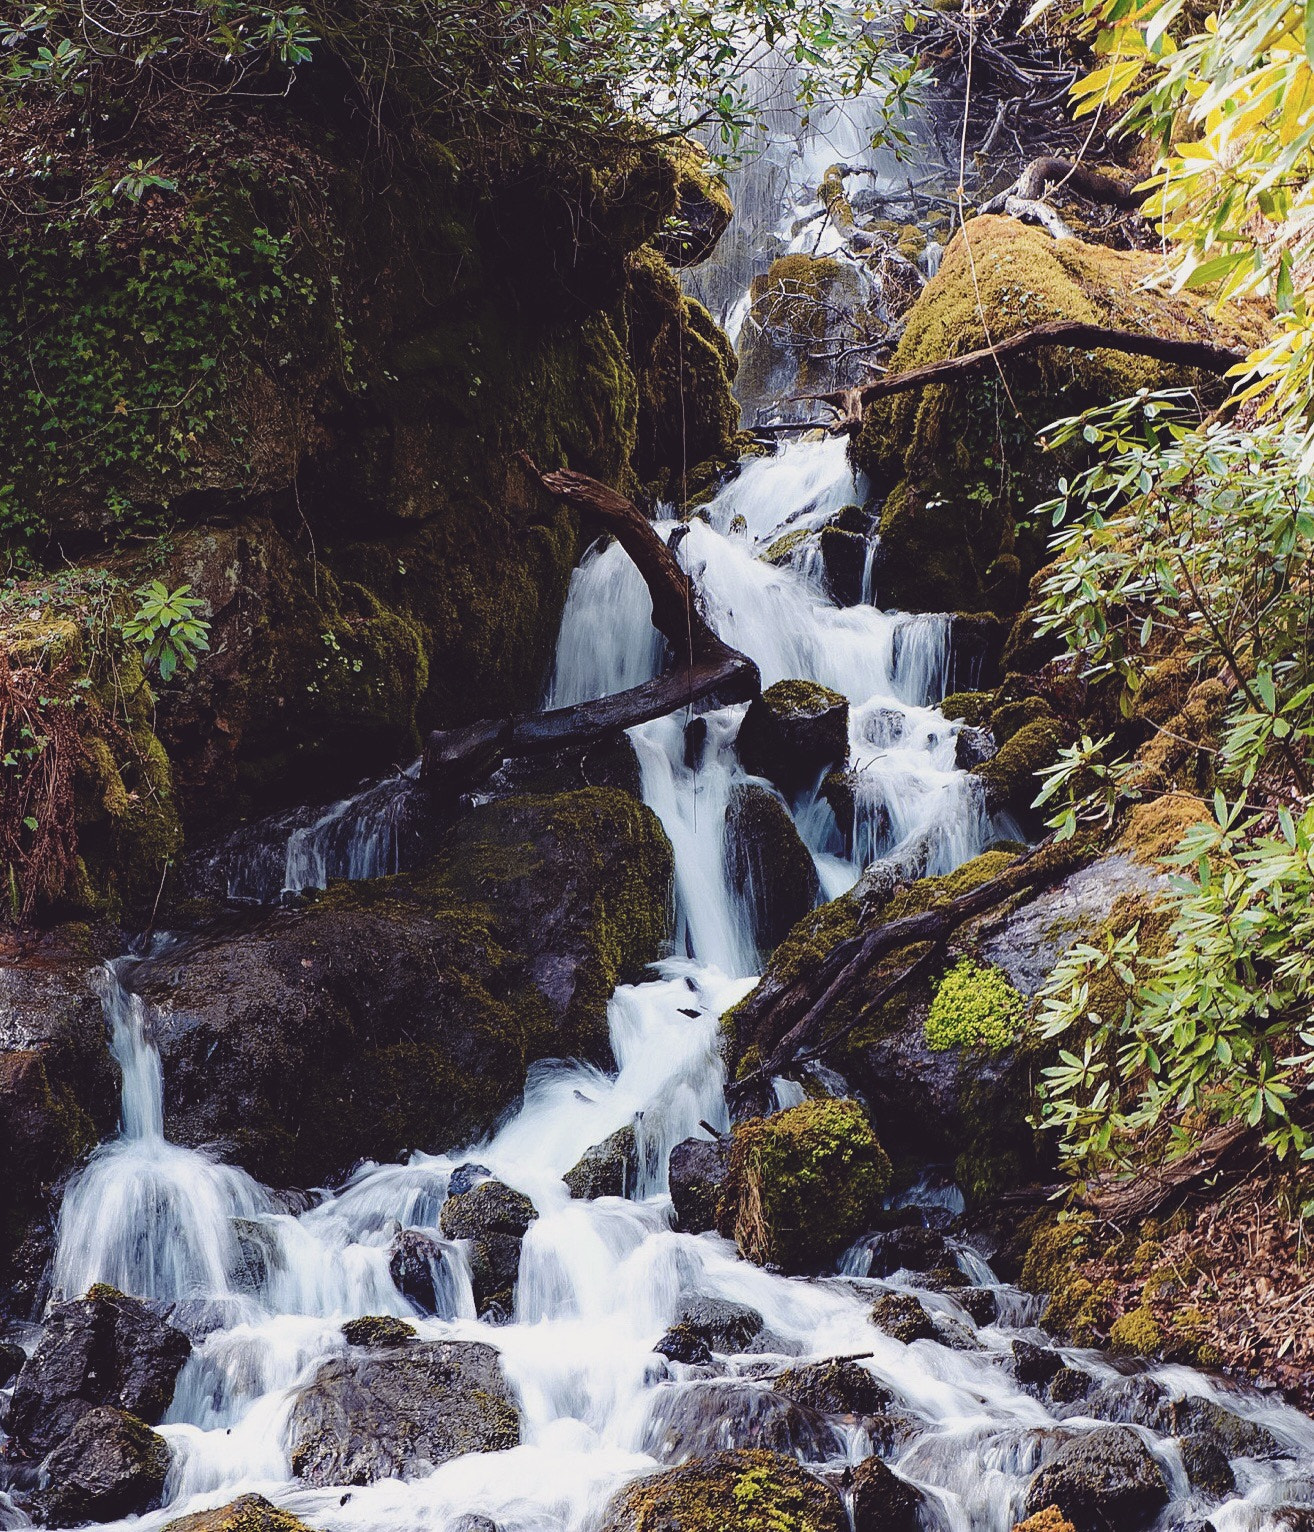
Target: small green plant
x=167 y=627
x=974 y=1007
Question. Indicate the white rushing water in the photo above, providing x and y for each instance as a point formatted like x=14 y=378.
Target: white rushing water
x=265 y=1288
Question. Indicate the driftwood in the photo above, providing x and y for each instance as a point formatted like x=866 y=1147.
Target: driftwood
x=705 y=666
x=799 y=1012
x=849 y=403
x=1033 y=210
x=1051 y=173
x=1232 y=1149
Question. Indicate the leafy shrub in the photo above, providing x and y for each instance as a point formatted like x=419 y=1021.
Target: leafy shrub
x=974 y=1007
x=167 y=629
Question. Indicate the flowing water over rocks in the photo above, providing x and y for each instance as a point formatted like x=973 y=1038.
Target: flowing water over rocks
x=536 y=1414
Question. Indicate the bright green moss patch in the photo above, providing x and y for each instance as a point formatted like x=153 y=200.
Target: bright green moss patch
x=1136 y=1333
x=974 y=1007
x=748 y=1491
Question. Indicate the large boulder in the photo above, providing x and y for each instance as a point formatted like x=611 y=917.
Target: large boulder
x=102 y=1350
x=493 y=1219
x=58 y=1087
x=698 y=1170
x=835 y=1388
x=803 y=1184
x=767 y=864
x=882 y=1501
x=794 y=733
x=608 y=1169
x=728 y=1492
x=691 y=1420
x=248 y=1513
x=397 y=1414
x=402 y=1013
x=1104 y=1478
x=110 y=1465
x=722 y=1324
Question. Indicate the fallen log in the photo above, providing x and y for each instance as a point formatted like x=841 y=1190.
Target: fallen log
x=1075 y=333
x=801 y=1010
x=705 y=666
x=1051 y=173
x=1232 y=1150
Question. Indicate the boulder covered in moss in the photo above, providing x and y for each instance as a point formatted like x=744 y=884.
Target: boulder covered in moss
x=402 y=1013
x=102 y=1350
x=378 y=1330
x=698 y=1170
x=803 y=1184
x=841 y=1387
x=1102 y=1478
x=608 y=1169
x=746 y=1491
x=248 y=1513
x=794 y=733
x=702 y=208
x=58 y=1088
x=494 y=1220
x=958 y=464
x=383 y=1414
x=109 y=1466
x=902 y=1317
x=1011 y=775
x=767 y=864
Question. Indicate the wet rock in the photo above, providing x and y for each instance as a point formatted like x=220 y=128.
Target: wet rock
x=682 y=1343
x=844 y=557
x=902 y=1316
x=110 y=1465
x=465 y=1177
x=494 y=1219
x=908 y=1249
x=692 y=1420
x=716 y=1493
x=1068 y=1385
x=768 y=866
x=1034 y=1364
x=803 y=1184
x=1104 y=1478
x=417 y=1266
x=377 y=1330
x=941 y=1279
x=1137 y=1401
x=793 y=733
x=402 y=1012
x=1206 y=1465
x=882 y=1501
x=608 y=1169
x=728 y=1327
x=981 y=1303
x=973 y=746
x=698 y=1170
x=11 y=1362
x=248 y=1513
x=104 y=1349
x=835 y=1388
x=1231 y=1433
x=955 y=1335
x=1294 y=1518
x=391 y=1414
x=474 y=1524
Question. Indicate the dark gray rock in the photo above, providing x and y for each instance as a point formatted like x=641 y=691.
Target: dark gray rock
x=474 y=1524
x=110 y=1465
x=882 y=1501
x=11 y=1362
x=682 y=1343
x=1137 y=1400
x=380 y=1331
x=1232 y=1434
x=902 y=1316
x=104 y=1349
x=907 y=1249
x=844 y=556
x=691 y=1420
x=1068 y=1385
x=494 y=1219
x=835 y=1388
x=1206 y=1465
x=698 y=1171
x=793 y=733
x=418 y=1268
x=608 y=1169
x=1104 y=1478
x=973 y=746
x=1034 y=1364
x=399 y=1414
x=769 y=867
x=728 y=1327
x=981 y=1303
x=465 y=1177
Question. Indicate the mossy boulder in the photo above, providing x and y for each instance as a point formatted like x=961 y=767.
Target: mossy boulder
x=748 y=1491
x=608 y=1169
x=794 y=733
x=493 y=1219
x=1051 y=1519
x=803 y=1184
x=109 y=1466
x=377 y=1330
x=402 y=1013
x=902 y=1317
x=768 y=865
x=1105 y=1477
x=835 y=1388
x=383 y=1414
x=958 y=464
x=248 y=1513
x=1011 y=776
x=702 y=207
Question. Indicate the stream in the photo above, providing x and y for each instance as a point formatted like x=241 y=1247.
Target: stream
x=599 y=1281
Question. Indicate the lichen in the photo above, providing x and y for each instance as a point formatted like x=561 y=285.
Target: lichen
x=1051 y=1519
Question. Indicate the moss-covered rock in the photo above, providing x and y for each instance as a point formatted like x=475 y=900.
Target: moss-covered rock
x=803 y=1184
x=958 y=463
x=748 y=1491
x=697 y=1175
x=1011 y=775
x=493 y=1219
x=608 y=1169
x=109 y=1466
x=1051 y=1519
x=793 y=733
x=377 y=1330
x=835 y=1388
x=767 y=864
x=902 y=1317
x=702 y=207
x=248 y=1513
x=795 y=306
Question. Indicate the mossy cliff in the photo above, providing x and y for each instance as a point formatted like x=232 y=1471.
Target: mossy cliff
x=957 y=465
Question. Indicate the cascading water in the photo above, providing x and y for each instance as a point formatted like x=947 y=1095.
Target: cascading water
x=264 y=1287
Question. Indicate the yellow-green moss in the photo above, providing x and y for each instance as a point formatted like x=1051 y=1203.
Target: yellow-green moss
x=1011 y=776
x=974 y=1007
x=248 y=1513
x=971 y=708
x=1136 y=1333
x=1078 y=1308
x=804 y=1184
x=1051 y=1519
x=747 y=1491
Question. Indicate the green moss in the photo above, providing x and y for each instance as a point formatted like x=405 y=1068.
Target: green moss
x=749 y=1491
x=793 y=306
x=832 y=196
x=248 y=1513
x=1011 y=717
x=376 y=1330
x=974 y=1007
x=813 y=938
x=971 y=708
x=1078 y=1308
x=801 y=699
x=1011 y=776
x=1136 y=1333
x=912 y=242
x=804 y=1184
x=780 y=551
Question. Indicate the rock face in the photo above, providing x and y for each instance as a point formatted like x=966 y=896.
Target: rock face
x=290 y=1045
x=248 y=1513
x=101 y=1350
x=1104 y=1478
x=698 y=1170
x=768 y=864
x=58 y=1084
x=608 y=1169
x=494 y=1220
x=109 y=1466
x=728 y=1490
x=398 y=1414
x=803 y=1184
x=794 y=733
